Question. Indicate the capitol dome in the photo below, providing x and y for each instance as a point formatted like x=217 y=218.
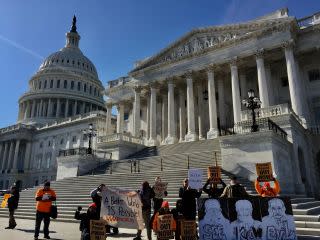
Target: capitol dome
x=66 y=84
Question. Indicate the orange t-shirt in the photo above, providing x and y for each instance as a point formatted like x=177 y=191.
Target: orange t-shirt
x=44 y=205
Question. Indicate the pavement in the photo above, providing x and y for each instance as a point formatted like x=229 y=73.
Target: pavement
x=58 y=231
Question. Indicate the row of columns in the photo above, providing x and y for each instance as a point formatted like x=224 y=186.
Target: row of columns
x=9 y=153
x=35 y=108
x=168 y=101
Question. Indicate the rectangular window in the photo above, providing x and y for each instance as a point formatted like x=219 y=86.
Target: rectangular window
x=58 y=84
x=284 y=81
x=72 y=85
x=314 y=75
x=51 y=84
x=74 y=138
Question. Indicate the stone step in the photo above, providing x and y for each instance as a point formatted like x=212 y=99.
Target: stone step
x=307 y=218
x=313 y=210
x=308 y=231
x=306 y=205
x=303 y=224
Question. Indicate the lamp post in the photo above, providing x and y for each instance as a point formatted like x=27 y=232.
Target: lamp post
x=252 y=103
x=90 y=133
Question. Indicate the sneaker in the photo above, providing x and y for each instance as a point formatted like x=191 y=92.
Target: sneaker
x=8 y=227
x=47 y=237
x=13 y=226
x=137 y=238
x=36 y=238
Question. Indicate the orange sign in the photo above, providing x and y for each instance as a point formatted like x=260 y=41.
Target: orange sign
x=214 y=173
x=264 y=171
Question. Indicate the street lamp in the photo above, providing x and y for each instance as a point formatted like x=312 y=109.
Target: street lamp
x=252 y=103
x=90 y=133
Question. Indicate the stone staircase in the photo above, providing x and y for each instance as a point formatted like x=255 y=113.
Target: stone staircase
x=146 y=165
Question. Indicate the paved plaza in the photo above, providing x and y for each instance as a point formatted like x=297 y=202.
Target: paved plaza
x=58 y=231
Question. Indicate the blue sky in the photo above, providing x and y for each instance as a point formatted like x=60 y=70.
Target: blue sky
x=114 y=34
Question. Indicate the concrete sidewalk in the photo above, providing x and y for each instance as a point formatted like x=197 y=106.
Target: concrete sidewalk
x=58 y=231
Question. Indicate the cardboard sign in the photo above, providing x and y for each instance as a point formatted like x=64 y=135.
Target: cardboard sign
x=188 y=230
x=97 y=230
x=164 y=227
x=122 y=208
x=195 y=178
x=264 y=171
x=265 y=218
x=215 y=174
x=159 y=189
x=5 y=200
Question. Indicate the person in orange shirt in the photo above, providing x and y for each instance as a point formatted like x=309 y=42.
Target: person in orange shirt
x=266 y=190
x=44 y=198
x=162 y=211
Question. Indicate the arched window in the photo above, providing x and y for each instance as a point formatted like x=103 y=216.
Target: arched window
x=58 y=84
x=65 y=84
x=72 y=85
x=79 y=86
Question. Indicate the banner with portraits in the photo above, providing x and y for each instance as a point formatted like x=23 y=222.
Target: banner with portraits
x=121 y=208
x=247 y=218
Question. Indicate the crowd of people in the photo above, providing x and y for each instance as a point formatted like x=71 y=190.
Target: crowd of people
x=185 y=209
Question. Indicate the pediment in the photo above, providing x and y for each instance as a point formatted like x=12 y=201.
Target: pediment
x=206 y=39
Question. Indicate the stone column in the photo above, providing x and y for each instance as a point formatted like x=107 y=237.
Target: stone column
x=16 y=155
x=27 y=156
x=148 y=117
x=10 y=155
x=58 y=108
x=26 y=110
x=66 y=109
x=136 y=113
x=222 y=111
x=120 y=116
x=294 y=86
x=191 y=134
x=236 y=101
x=90 y=107
x=5 y=156
x=49 y=112
x=262 y=80
x=213 y=131
x=200 y=110
x=182 y=113
x=75 y=106
x=164 y=117
x=171 y=138
x=40 y=108
x=153 y=116
x=33 y=108
x=108 y=119
x=83 y=110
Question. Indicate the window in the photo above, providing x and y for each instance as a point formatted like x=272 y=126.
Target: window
x=49 y=143
x=284 y=81
x=90 y=89
x=85 y=88
x=126 y=116
x=314 y=75
x=58 y=84
x=62 y=60
x=79 y=86
x=51 y=84
x=61 y=141
x=65 y=84
x=74 y=139
x=68 y=61
x=39 y=84
x=45 y=84
x=85 y=137
x=73 y=62
x=41 y=145
x=72 y=85
x=95 y=91
x=48 y=160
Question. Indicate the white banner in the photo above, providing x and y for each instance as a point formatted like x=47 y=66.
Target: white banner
x=195 y=178
x=122 y=208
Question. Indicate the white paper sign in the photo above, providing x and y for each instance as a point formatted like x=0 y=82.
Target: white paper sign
x=195 y=178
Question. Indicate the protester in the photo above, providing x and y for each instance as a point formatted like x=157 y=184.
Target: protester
x=213 y=191
x=85 y=218
x=178 y=217
x=266 y=190
x=44 y=198
x=13 y=202
x=157 y=202
x=146 y=194
x=189 y=197
x=234 y=189
x=162 y=211
x=96 y=198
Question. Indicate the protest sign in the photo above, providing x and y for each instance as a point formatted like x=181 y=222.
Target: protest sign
x=97 y=230
x=214 y=173
x=188 y=230
x=265 y=218
x=195 y=178
x=122 y=208
x=264 y=171
x=159 y=189
x=165 y=230
x=5 y=200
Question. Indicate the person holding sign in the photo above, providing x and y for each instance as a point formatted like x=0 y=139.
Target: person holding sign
x=234 y=189
x=13 y=201
x=266 y=190
x=213 y=191
x=85 y=218
x=189 y=196
x=160 y=191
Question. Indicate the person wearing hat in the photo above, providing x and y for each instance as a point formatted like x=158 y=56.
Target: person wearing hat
x=234 y=189
x=266 y=190
x=85 y=218
x=13 y=202
x=44 y=197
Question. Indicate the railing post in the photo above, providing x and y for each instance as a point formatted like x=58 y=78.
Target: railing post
x=131 y=165
x=138 y=166
x=111 y=168
x=161 y=164
x=188 y=162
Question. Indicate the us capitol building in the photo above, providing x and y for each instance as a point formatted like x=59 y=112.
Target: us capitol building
x=191 y=90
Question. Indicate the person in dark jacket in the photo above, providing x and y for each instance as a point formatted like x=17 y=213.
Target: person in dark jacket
x=146 y=195
x=189 y=196
x=213 y=191
x=85 y=218
x=178 y=216
x=234 y=189
x=13 y=202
